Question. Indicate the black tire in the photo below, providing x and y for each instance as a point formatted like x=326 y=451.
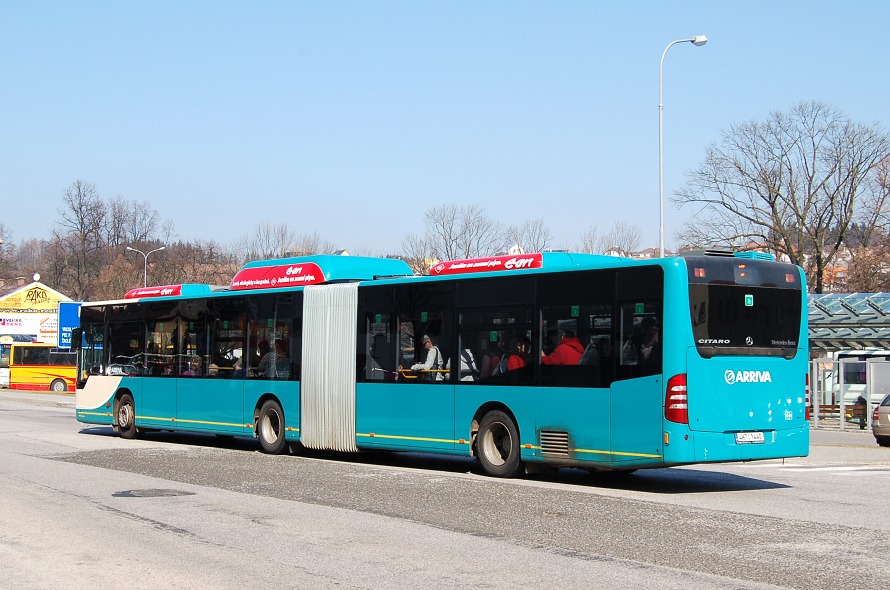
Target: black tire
x=884 y=441
x=497 y=445
x=270 y=428
x=58 y=386
x=125 y=416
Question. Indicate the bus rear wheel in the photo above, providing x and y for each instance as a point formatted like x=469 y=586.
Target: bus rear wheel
x=125 y=416
x=497 y=445
x=59 y=386
x=270 y=428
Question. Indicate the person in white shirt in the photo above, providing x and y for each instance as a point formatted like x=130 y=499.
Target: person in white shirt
x=433 y=360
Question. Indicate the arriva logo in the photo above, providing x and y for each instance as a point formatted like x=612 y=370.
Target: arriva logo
x=747 y=377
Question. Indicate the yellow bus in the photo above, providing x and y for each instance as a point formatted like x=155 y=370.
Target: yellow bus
x=41 y=367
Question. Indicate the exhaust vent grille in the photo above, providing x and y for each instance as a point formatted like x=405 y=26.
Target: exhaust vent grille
x=555 y=443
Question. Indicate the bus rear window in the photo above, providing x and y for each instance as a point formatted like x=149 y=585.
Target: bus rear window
x=744 y=307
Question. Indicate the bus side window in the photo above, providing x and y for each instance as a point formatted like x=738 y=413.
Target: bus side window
x=376 y=363
x=424 y=310
x=227 y=339
x=640 y=336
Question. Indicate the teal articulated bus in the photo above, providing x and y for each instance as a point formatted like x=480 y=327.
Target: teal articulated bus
x=548 y=359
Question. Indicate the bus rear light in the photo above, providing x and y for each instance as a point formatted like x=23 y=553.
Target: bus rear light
x=676 y=402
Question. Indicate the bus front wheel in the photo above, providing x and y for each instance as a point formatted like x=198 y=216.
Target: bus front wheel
x=126 y=416
x=498 y=445
x=270 y=428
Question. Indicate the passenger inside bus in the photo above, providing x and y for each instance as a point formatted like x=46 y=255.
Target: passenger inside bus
x=567 y=352
x=650 y=349
x=267 y=358
x=282 y=359
x=432 y=368
x=494 y=351
x=519 y=353
x=194 y=367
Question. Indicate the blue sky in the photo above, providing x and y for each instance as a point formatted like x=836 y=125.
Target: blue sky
x=354 y=118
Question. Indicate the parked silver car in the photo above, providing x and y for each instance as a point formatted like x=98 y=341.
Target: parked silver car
x=880 y=422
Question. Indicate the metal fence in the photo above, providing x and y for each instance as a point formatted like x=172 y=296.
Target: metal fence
x=845 y=391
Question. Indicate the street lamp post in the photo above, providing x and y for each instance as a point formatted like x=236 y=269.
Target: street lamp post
x=698 y=41
x=145 y=262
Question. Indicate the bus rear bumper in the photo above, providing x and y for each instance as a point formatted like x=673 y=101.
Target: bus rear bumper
x=721 y=447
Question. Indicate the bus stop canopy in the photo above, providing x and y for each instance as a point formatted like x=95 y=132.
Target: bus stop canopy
x=848 y=321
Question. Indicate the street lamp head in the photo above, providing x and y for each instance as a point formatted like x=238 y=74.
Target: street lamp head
x=133 y=249
x=699 y=40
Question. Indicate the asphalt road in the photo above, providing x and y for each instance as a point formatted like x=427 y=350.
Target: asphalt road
x=80 y=507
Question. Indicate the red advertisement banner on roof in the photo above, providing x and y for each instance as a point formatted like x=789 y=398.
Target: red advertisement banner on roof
x=161 y=291
x=488 y=264
x=284 y=275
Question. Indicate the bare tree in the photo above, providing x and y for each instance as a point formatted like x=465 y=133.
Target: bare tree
x=454 y=232
x=278 y=241
x=118 y=219
x=417 y=252
x=623 y=238
x=267 y=241
x=131 y=222
x=7 y=253
x=871 y=217
x=203 y=262
x=869 y=268
x=168 y=232
x=590 y=241
x=79 y=240
x=867 y=238
x=532 y=236
x=308 y=244
x=29 y=257
x=792 y=184
x=122 y=274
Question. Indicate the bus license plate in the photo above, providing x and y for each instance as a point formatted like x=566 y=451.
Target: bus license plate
x=748 y=437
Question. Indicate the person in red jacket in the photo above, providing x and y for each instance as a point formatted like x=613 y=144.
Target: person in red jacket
x=519 y=353
x=567 y=352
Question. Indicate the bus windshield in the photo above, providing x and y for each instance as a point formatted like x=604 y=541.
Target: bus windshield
x=744 y=307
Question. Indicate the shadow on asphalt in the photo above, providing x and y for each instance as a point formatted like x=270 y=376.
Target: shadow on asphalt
x=666 y=480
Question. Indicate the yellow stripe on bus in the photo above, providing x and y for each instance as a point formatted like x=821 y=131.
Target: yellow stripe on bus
x=398 y=437
x=618 y=453
x=534 y=447
x=181 y=421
